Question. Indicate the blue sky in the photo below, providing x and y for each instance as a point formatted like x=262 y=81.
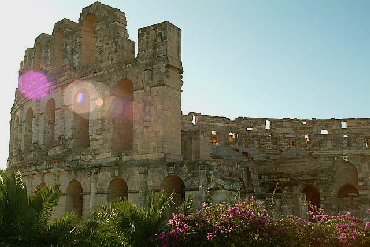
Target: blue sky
x=262 y=58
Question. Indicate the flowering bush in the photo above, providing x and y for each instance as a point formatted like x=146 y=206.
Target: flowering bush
x=339 y=230
x=249 y=224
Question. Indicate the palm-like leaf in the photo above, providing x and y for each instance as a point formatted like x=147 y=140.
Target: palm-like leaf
x=22 y=219
x=122 y=223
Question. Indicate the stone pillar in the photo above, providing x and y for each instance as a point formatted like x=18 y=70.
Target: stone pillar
x=158 y=133
x=143 y=184
x=202 y=196
x=93 y=189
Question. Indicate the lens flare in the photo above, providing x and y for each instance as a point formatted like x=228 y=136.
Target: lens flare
x=34 y=84
x=80 y=98
x=78 y=94
x=99 y=102
x=129 y=111
x=122 y=108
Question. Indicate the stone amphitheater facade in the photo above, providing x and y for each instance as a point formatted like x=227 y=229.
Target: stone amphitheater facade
x=104 y=122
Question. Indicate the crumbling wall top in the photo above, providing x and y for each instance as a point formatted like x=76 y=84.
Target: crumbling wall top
x=103 y=13
x=65 y=25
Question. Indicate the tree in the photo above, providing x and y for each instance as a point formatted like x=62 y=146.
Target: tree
x=24 y=220
x=122 y=223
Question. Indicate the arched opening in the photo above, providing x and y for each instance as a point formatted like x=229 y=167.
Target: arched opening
x=88 y=39
x=38 y=57
x=42 y=185
x=117 y=188
x=213 y=141
x=81 y=121
x=28 y=131
x=122 y=115
x=312 y=195
x=74 y=197
x=174 y=184
x=58 y=49
x=346 y=199
x=348 y=191
x=49 y=124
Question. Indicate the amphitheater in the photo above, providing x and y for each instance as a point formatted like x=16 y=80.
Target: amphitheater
x=105 y=121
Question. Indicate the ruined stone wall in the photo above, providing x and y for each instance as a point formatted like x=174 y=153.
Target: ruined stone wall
x=104 y=123
x=101 y=110
x=278 y=135
x=291 y=155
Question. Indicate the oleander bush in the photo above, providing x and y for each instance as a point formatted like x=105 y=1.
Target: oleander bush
x=249 y=224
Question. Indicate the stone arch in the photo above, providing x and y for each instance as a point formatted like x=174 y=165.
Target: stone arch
x=28 y=131
x=42 y=185
x=174 y=184
x=49 y=124
x=117 y=188
x=312 y=195
x=81 y=121
x=213 y=140
x=74 y=197
x=88 y=39
x=347 y=173
x=346 y=200
x=348 y=191
x=121 y=112
x=58 y=49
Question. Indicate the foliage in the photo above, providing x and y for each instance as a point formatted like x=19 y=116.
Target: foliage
x=23 y=219
x=249 y=224
x=26 y=221
x=122 y=223
x=63 y=231
x=244 y=224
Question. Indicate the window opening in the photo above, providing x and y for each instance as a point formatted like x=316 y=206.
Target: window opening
x=307 y=137
x=194 y=120
x=74 y=197
x=267 y=124
x=117 y=189
x=213 y=141
x=88 y=39
x=122 y=116
x=324 y=132
x=231 y=136
x=58 y=49
x=367 y=142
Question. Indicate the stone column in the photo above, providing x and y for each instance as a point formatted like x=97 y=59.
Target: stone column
x=143 y=184
x=93 y=189
x=202 y=195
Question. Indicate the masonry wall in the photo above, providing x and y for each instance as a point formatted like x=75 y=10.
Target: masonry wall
x=98 y=131
x=291 y=154
x=110 y=124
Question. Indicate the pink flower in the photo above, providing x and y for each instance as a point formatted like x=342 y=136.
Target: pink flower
x=367 y=225
x=210 y=236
